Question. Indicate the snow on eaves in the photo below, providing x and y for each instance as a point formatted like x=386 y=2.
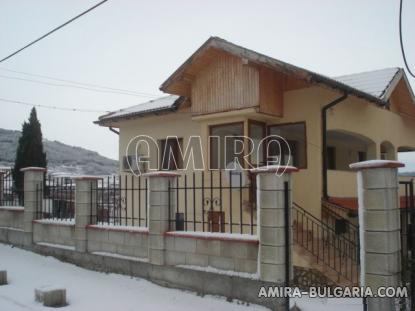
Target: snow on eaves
x=162 y=103
x=374 y=82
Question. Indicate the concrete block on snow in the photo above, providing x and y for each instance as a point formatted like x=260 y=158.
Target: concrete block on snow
x=51 y=296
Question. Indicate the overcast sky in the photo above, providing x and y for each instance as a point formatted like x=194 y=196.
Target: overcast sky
x=136 y=45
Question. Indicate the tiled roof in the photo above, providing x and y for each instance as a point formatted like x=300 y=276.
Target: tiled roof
x=372 y=82
x=158 y=104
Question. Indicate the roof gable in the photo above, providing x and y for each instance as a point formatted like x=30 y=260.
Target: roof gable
x=376 y=86
x=183 y=75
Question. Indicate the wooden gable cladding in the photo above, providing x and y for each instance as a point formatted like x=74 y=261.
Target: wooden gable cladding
x=225 y=84
x=401 y=99
x=182 y=84
x=271 y=89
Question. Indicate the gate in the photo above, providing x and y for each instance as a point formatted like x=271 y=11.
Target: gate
x=407 y=205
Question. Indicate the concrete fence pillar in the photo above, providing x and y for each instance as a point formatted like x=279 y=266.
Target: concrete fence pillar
x=33 y=198
x=274 y=212
x=159 y=198
x=379 y=227
x=85 y=208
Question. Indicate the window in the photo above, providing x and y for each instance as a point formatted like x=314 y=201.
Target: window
x=170 y=155
x=226 y=144
x=295 y=153
x=257 y=133
x=331 y=158
x=362 y=156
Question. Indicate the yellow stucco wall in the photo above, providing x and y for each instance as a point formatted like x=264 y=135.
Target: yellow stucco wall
x=353 y=115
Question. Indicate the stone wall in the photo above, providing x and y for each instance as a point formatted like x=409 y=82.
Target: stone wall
x=231 y=254
x=11 y=217
x=122 y=241
x=53 y=233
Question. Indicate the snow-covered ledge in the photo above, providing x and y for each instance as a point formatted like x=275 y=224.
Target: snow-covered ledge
x=279 y=169
x=110 y=227
x=161 y=174
x=371 y=164
x=236 y=237
x=56 y=221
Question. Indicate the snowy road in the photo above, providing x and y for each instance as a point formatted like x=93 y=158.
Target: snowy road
x=90 y=290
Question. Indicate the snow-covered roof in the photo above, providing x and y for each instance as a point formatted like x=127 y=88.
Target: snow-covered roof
x=158 y=104
x=374 y=82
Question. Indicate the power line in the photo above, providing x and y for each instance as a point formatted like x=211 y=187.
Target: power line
x=52 y=107
x=81 y=83
x=53 y=30
x=77 y=87
x=401 y=41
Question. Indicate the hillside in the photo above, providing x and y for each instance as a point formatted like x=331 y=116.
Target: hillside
x=61 y=158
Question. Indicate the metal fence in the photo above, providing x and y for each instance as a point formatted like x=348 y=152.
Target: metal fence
x=334 y=250
x=58 y=201
x=214 y=201
x=120 y=201
x=10 y=195
x=407 y=212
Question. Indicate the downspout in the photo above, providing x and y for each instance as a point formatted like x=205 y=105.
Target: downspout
x=114 y=131
x=324 y=137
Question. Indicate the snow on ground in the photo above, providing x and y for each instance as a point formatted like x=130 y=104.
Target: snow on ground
x=328 y=304
x=91 y=290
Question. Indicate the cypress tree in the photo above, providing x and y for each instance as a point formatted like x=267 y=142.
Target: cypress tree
x=30 y=149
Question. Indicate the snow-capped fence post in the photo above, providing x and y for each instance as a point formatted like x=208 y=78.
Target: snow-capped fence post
x=379 y=228
x=160 y=200
x=33 y=196
x=85 y=208
x=274 y=200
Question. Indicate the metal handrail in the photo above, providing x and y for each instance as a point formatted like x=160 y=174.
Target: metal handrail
x=337 y=215
x=338 y=252
x=319 y=222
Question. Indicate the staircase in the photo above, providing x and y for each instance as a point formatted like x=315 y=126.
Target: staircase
x=330 y=250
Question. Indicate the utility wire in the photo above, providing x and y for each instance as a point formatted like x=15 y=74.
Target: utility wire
x=77 y=87
x=51 y=107
x=401 y=41
x=53 y=30
x=81 y=83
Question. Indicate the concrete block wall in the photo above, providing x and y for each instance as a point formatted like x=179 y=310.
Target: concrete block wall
x=222 y=254
x=117 y=241
x=11 y=217
x=12 y=236
x=60 y=234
